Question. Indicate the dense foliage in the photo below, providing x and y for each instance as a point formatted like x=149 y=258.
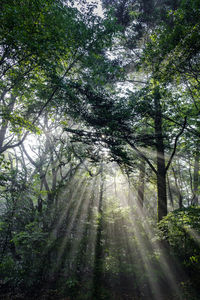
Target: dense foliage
x=99 y=149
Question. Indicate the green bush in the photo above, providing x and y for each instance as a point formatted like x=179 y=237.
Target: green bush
x=181 y=229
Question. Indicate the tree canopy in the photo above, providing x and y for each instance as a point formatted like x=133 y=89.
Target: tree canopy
x=99 y=149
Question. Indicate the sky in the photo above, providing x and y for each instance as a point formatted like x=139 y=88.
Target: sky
x=98 y=11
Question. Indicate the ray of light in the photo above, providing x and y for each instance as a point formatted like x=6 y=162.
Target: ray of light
x=145 y=246
x=194 y=234
x=72 y=226
x=68 y=205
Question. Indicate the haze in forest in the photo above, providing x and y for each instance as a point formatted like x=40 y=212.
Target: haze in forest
x=99 y=149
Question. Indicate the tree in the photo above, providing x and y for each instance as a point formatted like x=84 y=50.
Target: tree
x=85 y=99
x=41 y=43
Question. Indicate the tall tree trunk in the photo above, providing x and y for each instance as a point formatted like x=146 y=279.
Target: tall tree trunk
x=98 y=259
x=141 y=183
x=170 y=193
x=196 y=179
x=180 y=197
x=5 y=122
x=161 y=169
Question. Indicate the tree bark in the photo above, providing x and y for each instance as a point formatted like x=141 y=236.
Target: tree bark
x=160 y=149
x=141 y=185
x=5 y=122
x=180 y=197
x=170 y=193
x=196 y=179
x=98 y=259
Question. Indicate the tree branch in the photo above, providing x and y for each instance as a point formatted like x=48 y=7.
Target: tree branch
x=142 y=156
x=175 y=144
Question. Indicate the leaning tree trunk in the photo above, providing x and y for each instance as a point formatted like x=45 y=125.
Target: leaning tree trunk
x=160 y=149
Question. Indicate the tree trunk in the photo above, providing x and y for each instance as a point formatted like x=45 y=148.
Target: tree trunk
x=180 y=198
x=5 y=122
x=98 y=259
x=161 y=169
x=170 y=193
x=141 y=184
x=196 y=179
